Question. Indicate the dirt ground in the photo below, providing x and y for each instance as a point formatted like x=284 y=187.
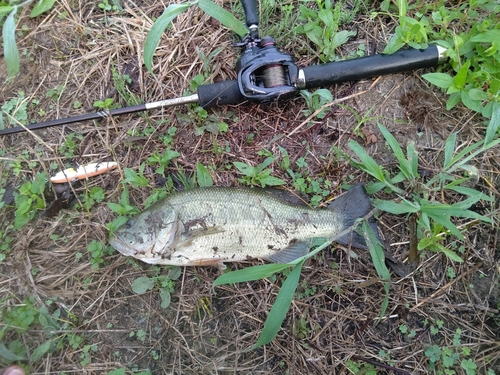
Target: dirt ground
x=334 y=317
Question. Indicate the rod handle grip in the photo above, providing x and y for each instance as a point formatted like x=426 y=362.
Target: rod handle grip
x=371 y=66
x=219 y=94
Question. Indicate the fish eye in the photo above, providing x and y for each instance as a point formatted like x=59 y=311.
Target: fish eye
x=129 y=223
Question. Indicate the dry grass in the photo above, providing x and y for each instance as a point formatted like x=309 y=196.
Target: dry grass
x=207 y=332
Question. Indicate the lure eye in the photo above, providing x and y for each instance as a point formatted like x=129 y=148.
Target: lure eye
x=129 y=223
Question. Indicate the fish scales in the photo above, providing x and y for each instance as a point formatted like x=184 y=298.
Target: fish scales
x=212 y=225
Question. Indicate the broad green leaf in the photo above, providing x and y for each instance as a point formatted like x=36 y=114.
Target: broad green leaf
x=41 y=7
x=446 y=222
x=223 y=16
x=271 y=181
x=10 y=51
x=246 y=169
x=378 y=259
x=250 y=274
x=488 y=36
x=165 y=298
x=8 y=355
x=405 y=207
x=461 y=76
x=450 y=254
x=402 y=6
x=475 y=105
x=203 y=175
x=494 y=124
x=40 y=351
x=368 y=165
x=442 y=80
x=154 y=35
x=280 y=307
x=470 y=192
x=5 y=9
x=142 y=284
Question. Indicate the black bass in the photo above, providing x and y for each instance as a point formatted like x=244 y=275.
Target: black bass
x=208 y=226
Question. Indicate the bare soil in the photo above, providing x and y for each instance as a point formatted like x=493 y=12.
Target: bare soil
x=205 y=331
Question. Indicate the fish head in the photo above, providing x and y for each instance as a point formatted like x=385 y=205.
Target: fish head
x=148 y=236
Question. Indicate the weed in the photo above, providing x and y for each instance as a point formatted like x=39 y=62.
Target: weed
x=136 y=179
x=321 y=26
x=29 y=200
x=20 y=318
x=470 y=35
x=165 y=284
x=315 y=101
x=163 y=160
x=433 y=219
x=121 y=82
x=14 y=110
x=70 y=145
x=55 y=93
x=203 y=176
x=107 y=7
x=259 y=175
x=361 y=368
x=106 y=104
x=98 y=251
x=123 y=209
x=95 y=195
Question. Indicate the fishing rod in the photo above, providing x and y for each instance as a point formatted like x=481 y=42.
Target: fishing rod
x=265 y=74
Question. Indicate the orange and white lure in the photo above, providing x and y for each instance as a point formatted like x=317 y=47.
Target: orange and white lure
x=83 y=172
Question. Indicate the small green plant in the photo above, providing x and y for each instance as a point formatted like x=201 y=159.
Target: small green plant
x=136 y=179
x=164 y=283
x=19 y=319
x=98 y=252
x=163 y=160
x=259 y=175
x=70 y=145
x=322 y=25
x=29 y=200
x=14 y=111
x=123 y=209
x=95 y=195
x=315 y=100
x=361 y=368
x=105 y=104
x=433 y=219
x=107 y=7
x=55 y=93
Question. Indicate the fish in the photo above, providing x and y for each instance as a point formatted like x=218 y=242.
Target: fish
x=213 y=225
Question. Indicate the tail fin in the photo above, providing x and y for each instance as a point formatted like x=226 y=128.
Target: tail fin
x=351 y=206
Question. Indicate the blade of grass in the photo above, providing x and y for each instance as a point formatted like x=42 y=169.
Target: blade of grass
x=154 y=35
x=250 y=274
x=280 y=308
x=223 y=16
x=10 y=51
x=378 y=258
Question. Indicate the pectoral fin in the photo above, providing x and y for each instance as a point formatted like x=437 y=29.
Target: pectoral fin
x=191 y=235
x=290 y=253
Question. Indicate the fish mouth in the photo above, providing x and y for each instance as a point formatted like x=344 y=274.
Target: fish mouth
x=120 y=244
